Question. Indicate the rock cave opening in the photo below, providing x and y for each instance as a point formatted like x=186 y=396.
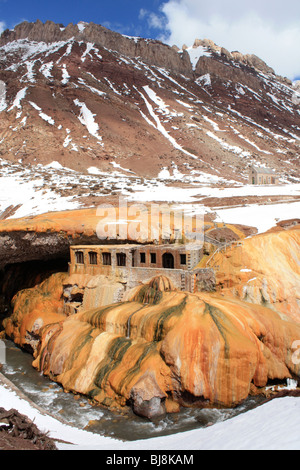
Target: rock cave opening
x=18 y=276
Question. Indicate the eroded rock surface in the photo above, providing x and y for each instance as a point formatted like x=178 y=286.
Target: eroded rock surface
x=153 y=108
x=199 y=349
x=148 y=398
x=264 y=269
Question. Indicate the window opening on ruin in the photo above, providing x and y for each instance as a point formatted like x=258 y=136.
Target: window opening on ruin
x=93 y=257
x=143 y=258
x=121 y=259
x=77 y=298
x=153 y=258
x=106 y=259
x=79 y=257
x=183 y=259
x=168 y=261
x=133 y=258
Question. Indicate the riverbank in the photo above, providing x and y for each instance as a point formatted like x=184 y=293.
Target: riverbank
x=272 y=426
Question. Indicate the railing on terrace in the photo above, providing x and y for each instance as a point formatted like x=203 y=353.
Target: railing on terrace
x=222 y=249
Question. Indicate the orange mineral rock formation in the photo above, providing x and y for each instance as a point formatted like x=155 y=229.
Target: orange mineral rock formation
x=49 y=236
x=189 y=349
x=33 y=308
x=264 y=269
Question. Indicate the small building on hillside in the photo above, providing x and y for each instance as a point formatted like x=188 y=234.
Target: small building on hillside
x=259 y=175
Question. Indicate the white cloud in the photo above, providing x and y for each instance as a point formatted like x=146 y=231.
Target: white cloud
x=154 y=20
x=267 y=28
x=2 y=26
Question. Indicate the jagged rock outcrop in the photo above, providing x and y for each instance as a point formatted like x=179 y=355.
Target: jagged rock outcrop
x=100 y=102
x=207 y=65
x=257 y=63
x=147 y=397
x=264 y=269
x=33 y=309
x=152 y=51
x=248 y=59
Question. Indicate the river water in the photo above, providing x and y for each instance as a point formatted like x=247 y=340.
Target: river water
x=80 y=413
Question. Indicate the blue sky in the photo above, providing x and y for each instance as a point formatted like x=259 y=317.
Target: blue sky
x=269 y=29
x=126 y=16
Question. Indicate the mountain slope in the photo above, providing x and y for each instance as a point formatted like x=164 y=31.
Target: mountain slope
x=88 y=97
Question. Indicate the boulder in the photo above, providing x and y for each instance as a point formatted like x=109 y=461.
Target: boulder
x=226 y=53
x=147 y=398
x=257 y=63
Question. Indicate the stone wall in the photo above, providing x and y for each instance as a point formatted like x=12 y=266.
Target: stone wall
x=192 y=256
x=205 y=280
x=135 y=272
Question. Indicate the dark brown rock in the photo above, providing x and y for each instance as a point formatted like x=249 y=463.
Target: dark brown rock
x=17 y=432
x=147 y=398
x=152 y=51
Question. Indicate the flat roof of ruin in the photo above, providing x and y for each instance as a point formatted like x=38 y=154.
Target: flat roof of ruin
x=188 y=246
x=265 y=171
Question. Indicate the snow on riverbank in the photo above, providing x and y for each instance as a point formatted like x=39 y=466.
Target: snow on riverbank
x=273 y=426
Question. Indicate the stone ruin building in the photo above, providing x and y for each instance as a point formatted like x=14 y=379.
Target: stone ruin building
x=259 y=175
x=130 y=265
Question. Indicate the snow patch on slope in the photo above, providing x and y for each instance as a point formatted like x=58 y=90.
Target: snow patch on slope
x=44 y=116
x=65 y=75
x=3 y=104
x=195 y=53
x=19 y=97
x=159 y=126
x=87 y=119
x=35 y=199
x=46 y=70
x=204 y=80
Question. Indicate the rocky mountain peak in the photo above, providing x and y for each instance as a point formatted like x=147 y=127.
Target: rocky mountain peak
x=152 y=51
x=247 y=59
x=88 y=99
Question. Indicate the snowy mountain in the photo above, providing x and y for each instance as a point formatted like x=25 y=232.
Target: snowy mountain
x=83 y=98
x=87 y=114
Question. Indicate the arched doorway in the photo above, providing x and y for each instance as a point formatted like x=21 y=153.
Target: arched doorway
x=168 y=261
